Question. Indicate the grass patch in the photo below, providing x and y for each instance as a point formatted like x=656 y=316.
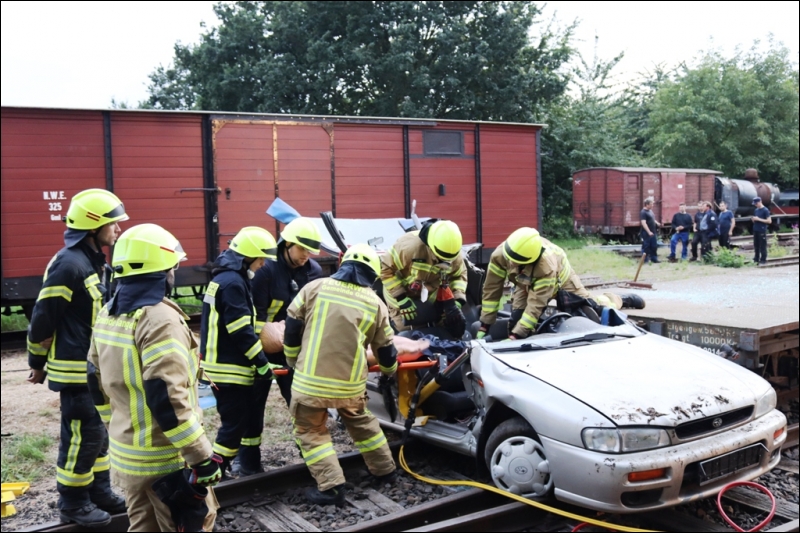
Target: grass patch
x=15 y=321
x=776 y=250
x=608 y=265
x=184 y=297
x=25 y=457
x=725 y=258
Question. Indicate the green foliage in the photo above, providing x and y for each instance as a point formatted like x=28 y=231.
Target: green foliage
x=726 y=258
x=24 y=457
x=587 y=130
x=15 y=321
x=459 y=60
x=730 y=114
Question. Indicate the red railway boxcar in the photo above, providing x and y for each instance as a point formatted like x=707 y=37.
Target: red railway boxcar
x=607 y=200
x=204 y=175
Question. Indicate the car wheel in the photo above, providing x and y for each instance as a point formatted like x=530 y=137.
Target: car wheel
x=516 y=459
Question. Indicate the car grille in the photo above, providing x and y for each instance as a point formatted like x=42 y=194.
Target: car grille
x=706 y=425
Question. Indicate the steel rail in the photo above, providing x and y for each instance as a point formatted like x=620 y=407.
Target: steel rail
x=236 y=491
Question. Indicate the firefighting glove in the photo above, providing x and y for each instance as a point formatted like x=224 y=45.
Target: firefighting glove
x=482 y=331
x=454 y=319
x=407 y=308
x=265 y=371
x=207 y=473
x=516 y=315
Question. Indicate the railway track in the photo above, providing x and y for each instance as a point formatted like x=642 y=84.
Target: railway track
x=459 y=510
x=781 y=261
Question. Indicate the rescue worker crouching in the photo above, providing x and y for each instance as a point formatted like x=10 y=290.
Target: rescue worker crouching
x=539 y=270
x=274 y=287
x=232 y=356
x=75 y=286
x=416 y=266
x=143 y=372
x=330 y=323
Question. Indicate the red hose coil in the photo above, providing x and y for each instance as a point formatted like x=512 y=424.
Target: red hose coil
x=762 y=488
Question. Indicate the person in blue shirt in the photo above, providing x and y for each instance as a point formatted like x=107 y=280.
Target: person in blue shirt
x=761 y=221
x=708 y=229
x=726 y=224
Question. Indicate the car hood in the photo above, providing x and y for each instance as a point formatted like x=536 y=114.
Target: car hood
x=644 y=380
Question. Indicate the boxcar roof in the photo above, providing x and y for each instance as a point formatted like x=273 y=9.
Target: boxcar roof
x=235 y=115
x=647 y=169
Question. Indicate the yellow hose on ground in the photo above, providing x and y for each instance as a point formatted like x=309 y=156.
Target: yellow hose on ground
x=520 y=499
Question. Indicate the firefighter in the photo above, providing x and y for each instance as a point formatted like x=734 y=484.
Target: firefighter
x=75 y=286
x=274 y=287
x=538 y=269
x=329 y=325
x=231 y=350
x=143 y=370
x=416 y=266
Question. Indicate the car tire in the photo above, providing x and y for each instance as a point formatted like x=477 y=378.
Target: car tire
x=516 y=459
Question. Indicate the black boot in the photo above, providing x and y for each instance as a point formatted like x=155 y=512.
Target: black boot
x=632 y=301
x=105 y=498
x=389 y=478
x=87 y=516
x=249 y=461
x=332 y=496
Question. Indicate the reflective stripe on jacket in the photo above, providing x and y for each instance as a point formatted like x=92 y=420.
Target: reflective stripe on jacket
x=409 y=260
x=273 y=290
x=540 y=280
x=339 y=320
x=228 y=342
x=71 y=296
x=143 y=372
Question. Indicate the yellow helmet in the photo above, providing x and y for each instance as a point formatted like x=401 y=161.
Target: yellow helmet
x=363 y=253
x=444 y=238
x=252 y=242
x=523 y=246
x=94 y=208
x=146 y=248
x=303 y=232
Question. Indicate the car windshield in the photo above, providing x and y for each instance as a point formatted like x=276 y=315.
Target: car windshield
x=572 y=332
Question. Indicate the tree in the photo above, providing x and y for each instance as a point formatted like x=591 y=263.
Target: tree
x=730 y=114
x=460 y=60
x=587 y=129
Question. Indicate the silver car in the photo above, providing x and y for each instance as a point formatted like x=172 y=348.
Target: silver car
x=607 y=417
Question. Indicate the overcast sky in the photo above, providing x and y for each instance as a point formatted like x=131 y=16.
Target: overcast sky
x=83 y=54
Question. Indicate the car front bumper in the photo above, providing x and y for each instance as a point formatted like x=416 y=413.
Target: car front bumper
x=600 y=481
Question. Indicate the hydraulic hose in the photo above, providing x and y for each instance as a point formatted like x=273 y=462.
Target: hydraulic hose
x=762 y=488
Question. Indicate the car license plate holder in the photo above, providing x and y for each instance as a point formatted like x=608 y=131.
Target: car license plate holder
x=730 y=463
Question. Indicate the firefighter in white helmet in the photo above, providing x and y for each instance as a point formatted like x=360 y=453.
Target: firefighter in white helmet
x=143 y=369
x=330 y=324
x=539 y=270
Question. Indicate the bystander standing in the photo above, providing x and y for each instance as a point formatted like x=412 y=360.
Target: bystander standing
x=761 y=221
x=681 y=224
x=648 y=232
x=727 y=223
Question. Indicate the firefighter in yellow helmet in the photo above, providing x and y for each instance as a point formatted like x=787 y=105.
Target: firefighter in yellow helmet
x=74 y=288
x=538 y=269
x=416 y=266
x=143 y=369
x=231 y=350
x=330 y=324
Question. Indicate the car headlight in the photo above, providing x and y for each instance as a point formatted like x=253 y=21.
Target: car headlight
x=766 y=403
x=624 y=439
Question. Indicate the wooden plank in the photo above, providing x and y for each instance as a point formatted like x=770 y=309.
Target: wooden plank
x=789 y=527
x=789 y=465
x=760 y=501
x=279 y=517
x=670 y=520
x=375 y=503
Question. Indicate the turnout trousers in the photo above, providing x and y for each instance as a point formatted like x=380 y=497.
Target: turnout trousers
x=760 y=246
x=82 y=467
x=241 y=413
x=146 y=512
x=311 y=434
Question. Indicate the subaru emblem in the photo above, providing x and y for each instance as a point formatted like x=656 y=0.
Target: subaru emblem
x=717 y=422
